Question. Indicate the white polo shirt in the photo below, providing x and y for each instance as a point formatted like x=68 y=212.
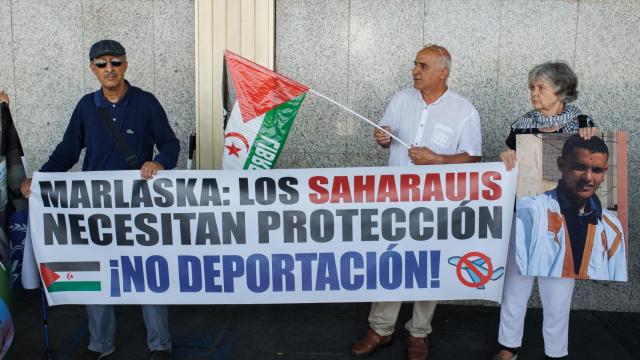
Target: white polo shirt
x=448 y=126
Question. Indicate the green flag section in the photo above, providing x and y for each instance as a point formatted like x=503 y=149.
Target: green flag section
x=267 y=104
x=71 y=276
x=260 y=141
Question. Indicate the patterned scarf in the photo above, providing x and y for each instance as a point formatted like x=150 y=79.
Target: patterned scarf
x=567 y=120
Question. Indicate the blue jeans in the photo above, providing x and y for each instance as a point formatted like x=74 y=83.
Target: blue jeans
x=102 y=327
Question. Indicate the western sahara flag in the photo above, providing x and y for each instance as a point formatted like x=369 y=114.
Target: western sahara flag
x=266 y=105
x=71 y=276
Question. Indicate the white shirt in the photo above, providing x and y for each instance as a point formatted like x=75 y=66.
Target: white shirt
x=448 y=126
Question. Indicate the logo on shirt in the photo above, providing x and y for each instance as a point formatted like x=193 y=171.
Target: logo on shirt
x=129 y=131
x=442 y=135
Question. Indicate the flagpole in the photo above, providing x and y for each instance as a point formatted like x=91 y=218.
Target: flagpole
x=361 y=117
x=48 y=353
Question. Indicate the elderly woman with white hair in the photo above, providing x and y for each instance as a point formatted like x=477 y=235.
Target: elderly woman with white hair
x=552 y=85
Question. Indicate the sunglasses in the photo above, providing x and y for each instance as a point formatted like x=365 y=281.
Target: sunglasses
x=101 y=64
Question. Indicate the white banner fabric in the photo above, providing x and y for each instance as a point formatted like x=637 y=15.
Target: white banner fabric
x=273 y=236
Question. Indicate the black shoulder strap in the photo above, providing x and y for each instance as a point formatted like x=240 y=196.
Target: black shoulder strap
x=585 y=121
x=131 y=158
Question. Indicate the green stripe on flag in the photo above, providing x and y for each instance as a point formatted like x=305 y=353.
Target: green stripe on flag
x=272 y=135
x=75 y=286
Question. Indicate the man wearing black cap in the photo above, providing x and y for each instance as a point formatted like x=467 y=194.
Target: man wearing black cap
x=142 y=124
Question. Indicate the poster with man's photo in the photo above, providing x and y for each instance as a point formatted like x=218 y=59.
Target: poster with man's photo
x=571 y=211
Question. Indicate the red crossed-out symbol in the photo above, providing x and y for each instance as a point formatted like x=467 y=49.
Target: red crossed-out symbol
x=465 y=261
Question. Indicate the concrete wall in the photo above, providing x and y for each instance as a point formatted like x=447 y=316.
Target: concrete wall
x=360 y=52
x=44 y=62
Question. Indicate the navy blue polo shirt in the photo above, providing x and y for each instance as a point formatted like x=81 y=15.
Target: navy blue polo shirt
x=141 y=120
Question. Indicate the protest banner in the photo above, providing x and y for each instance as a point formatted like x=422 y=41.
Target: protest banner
x=273 y=236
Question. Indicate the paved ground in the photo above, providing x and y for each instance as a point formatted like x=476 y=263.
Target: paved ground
x=313 y=332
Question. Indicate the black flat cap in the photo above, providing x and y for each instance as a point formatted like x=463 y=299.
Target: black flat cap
x=106 y=47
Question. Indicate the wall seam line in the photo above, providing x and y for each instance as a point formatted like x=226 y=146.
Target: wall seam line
x=575 y=39
x=346 y=144
x=13 y=52
x=424 y=22
x=153 y=42
x=499 y=55
x=84 y=73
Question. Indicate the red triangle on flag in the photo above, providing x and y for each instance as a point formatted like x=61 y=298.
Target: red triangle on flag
x=48 y=276
x=259 y=89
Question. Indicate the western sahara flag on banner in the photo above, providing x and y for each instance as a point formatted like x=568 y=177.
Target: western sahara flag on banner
x=71 y=276
x=266 y=105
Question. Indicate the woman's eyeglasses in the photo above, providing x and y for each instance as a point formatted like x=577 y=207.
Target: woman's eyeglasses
x=101 y=64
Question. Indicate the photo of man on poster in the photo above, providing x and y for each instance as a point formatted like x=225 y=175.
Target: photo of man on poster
x=566 y=232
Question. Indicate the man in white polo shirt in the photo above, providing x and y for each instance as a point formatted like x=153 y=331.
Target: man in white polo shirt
x=442 y=128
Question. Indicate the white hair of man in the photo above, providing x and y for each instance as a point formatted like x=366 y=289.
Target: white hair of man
x=445 y=57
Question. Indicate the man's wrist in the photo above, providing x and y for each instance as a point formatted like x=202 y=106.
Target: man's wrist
x=439 y=159
x=156 y=161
